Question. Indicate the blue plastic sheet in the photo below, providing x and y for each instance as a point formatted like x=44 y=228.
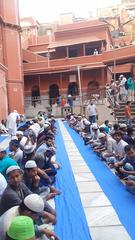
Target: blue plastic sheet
x=122 y=201
x=2 y=138
x=71 y=220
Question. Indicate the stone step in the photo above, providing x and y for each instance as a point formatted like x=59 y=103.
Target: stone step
x=122 y=108
x=122 y=103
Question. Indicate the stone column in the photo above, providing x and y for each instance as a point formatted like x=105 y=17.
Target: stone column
x=13 y=55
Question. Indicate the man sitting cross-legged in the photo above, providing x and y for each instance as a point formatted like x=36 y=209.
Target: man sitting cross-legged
x=31 y=206
x=119 y=152
x=126 y=168
x=16 y=191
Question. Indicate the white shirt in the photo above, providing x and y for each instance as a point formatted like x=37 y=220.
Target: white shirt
x=6 y=219
x=23 y=141
x=110 y=144
x=122 y=86
x=17 y=155
x=119 y=148
x=3 y=184
x=11 y=122
x=35 y=128
x=91 y=110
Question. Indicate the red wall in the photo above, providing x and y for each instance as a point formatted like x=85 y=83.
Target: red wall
x=13 y=56
x=62 y=80
x=3 y=95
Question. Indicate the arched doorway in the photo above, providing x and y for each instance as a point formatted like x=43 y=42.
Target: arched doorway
x=53 y=93
x=73 y=89
x=92 y=89
x=35 y=95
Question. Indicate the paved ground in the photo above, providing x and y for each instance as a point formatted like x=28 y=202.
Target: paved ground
x=101 y=217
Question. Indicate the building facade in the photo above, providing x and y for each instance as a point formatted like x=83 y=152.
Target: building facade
x=79 y=54
x=11 y=72
x=39 y=64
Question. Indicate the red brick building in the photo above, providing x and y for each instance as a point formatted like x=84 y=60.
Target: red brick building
x=11 y=72
x=54 y=62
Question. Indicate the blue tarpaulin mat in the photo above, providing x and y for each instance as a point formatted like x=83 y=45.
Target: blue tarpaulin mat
x=2 y=137
x=122 y=201
x=71 y=220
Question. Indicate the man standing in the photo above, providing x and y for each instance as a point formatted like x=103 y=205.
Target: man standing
x=123 y=90
x=92 y=112
x=12 y=121
x=128 y=114
x=70 y=100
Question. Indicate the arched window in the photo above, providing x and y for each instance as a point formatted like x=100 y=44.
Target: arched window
x=73 y=89
x=92 y=88
x=53 y=93
x=35 y=95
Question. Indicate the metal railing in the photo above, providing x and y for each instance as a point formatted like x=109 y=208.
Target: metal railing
x=96 y=95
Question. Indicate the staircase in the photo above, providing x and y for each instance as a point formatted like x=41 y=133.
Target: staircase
x=120 y=115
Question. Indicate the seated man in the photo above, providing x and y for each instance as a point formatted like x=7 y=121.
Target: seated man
x=129 y=136
x=21 y=227
x=32 y=180
x=32 y=206
x=126 y=168
x=30 y=154
x=5 y=162
x=22 y=139
x=3 y=184
x=15 y=191
x=94 y=141
x=48 y=142
x=106 y=126
x=15 y=152
x=106 y=148
x=49 y=164
x=43 y=133
x=3 y=129
x=119 y=151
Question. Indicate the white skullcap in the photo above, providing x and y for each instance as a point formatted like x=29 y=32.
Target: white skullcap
x=86 y=122
x=34 y=202
x=19 y=133
x=23 y=141
x=94 y=126
x=46 y=125
x=47 y=122
x=30 y=164
x=2 y=149
x=101 y=135
x=14 y=138
x=13 y=168
x=29 y=148
x=123 y=125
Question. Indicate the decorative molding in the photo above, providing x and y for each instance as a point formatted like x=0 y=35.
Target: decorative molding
x=10 y=25
x=3 y=67
x=15 y=81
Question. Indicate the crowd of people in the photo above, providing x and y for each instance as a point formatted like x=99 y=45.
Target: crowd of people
x=122 y=90
x=28 y=170
x=114 y=144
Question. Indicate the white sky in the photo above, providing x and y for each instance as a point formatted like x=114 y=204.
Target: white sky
x=49 y=10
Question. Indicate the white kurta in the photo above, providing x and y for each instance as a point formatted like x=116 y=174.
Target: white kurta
x=11 y=123
x=122 y=86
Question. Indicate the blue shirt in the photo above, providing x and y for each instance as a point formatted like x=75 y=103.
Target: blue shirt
x=130 y=84
x=129 y=160
x=42 y=149
x=5 y=163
